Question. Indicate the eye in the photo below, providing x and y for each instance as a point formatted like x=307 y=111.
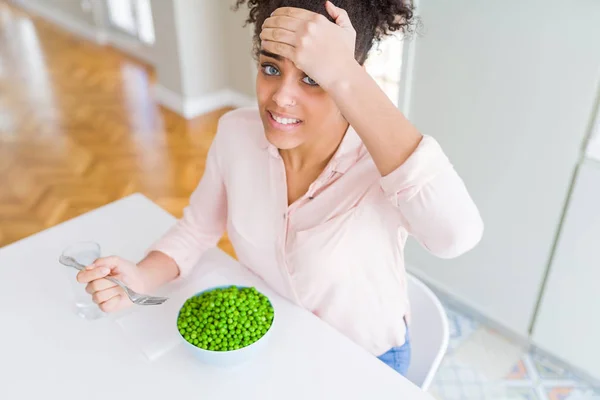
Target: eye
x=309 y=81
x=269 y=70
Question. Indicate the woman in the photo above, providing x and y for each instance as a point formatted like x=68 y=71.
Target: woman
x=320 y=187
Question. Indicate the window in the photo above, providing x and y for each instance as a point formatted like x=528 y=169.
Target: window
x=133 y=17
x=385 y=65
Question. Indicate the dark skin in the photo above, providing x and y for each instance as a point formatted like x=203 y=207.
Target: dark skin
x=318 y=82
x=325 y=51
x=310 y=101
x=298 y=183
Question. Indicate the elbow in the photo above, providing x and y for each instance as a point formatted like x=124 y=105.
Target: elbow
x=461 y=239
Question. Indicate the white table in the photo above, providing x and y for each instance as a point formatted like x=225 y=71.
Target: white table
x=46 y=351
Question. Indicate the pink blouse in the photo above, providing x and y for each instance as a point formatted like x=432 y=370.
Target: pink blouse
x=338 y=251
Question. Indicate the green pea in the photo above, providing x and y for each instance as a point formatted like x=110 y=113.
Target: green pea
x=225 y=319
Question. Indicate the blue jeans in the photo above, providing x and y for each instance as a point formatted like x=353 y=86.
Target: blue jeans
x=398 y=358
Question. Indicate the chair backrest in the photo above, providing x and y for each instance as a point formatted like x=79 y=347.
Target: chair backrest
x=429 y=333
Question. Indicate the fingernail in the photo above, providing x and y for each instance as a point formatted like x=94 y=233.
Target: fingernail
x=105 y=271
x=89 y=267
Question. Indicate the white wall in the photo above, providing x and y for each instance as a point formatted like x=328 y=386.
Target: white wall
x=166 y=49
x=508 y=90
x=568 y=324
x=202 y=46
x=213 y=50
x=593 y=147
x=241 y=72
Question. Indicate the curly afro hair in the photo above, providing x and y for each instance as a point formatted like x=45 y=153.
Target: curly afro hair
x=372 y=19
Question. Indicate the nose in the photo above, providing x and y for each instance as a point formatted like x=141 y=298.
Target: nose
x=284 y=95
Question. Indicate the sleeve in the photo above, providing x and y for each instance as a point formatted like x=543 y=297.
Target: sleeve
x=434 y=204
x=204 y=218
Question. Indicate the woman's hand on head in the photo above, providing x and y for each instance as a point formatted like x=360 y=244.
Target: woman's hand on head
x=318 y=47
x=109 y=296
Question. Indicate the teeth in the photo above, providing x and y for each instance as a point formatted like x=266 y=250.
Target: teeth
x=285 y=121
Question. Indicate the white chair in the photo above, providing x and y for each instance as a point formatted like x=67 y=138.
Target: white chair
x=429 y=333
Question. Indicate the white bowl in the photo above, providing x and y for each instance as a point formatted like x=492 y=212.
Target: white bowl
x=232 y=357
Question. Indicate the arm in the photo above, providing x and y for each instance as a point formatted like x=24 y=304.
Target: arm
x=175 y=254
x=157 y=269
x=202 y=225
x=431 y=198
x=389 y=137
x=433 y=202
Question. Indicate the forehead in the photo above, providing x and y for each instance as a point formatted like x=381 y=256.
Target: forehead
x=277 y=57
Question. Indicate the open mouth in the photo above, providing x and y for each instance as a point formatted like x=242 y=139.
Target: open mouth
x=283 y=123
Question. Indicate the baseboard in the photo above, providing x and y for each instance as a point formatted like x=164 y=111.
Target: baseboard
x=193 y=107
x=65 y=21
x=131 y=47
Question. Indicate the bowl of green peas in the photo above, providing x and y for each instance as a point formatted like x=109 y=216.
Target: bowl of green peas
x=226 y=325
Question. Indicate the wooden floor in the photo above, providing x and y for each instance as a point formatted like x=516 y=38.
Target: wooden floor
x=79 y=128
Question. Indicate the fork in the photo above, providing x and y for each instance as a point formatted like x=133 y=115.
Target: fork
x=136 y=298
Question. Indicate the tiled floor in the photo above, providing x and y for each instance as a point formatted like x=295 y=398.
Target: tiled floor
x=483 y=365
